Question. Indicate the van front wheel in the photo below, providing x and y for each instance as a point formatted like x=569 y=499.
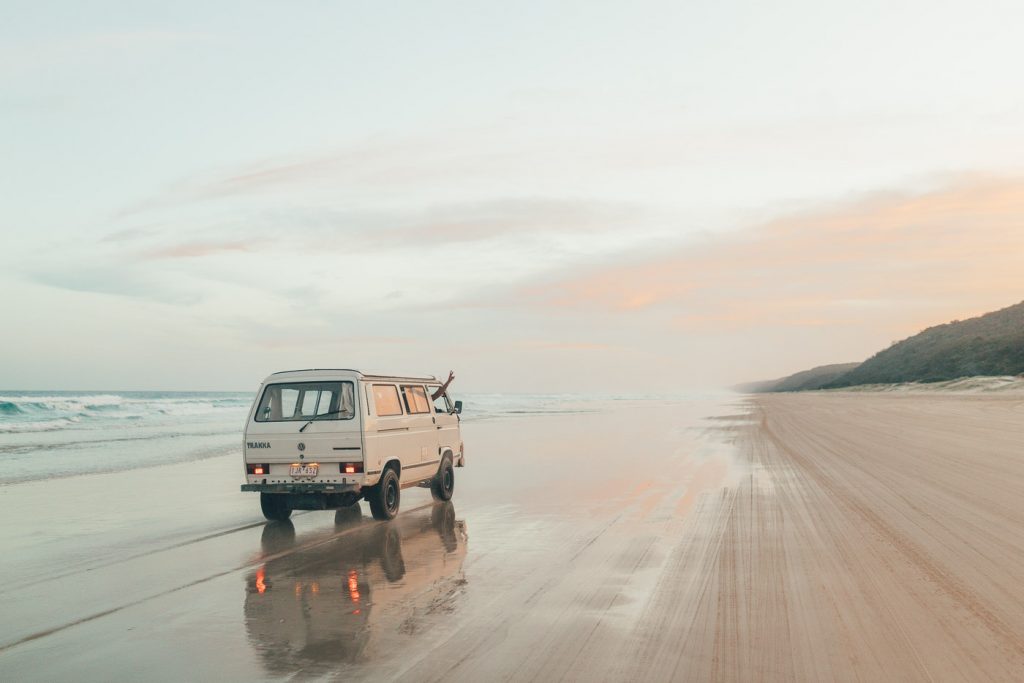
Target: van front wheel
x=385 y=496
x=275 y=506
x=442 y=486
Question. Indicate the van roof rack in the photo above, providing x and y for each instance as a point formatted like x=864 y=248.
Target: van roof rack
x=365 y=375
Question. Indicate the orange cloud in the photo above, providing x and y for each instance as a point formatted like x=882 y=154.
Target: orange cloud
x=951 y=252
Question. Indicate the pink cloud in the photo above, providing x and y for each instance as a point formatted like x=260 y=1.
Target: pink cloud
x=950 y=252
x=196 y=250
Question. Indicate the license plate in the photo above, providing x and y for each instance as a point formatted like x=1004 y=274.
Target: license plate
x=309 y=470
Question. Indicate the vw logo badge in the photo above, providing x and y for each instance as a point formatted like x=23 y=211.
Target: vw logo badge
x=302 y=446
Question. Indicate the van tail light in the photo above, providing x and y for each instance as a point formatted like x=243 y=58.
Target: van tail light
x=258 y=469
x=351 y=467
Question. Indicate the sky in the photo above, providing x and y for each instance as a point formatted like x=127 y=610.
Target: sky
x=546 y=197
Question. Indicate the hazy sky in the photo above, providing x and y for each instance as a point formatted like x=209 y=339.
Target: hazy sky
x=548 y=196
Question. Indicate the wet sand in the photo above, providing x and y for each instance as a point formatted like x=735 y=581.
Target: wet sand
x=808 y=537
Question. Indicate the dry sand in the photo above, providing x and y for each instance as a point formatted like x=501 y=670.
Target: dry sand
x=846 y=536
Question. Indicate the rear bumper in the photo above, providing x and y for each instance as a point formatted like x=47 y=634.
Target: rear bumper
x=302 y=488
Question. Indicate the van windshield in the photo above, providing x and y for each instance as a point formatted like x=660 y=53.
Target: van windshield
x=306 y=401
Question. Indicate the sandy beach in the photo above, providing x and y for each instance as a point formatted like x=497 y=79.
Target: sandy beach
x=838 y=536
x=877 y=537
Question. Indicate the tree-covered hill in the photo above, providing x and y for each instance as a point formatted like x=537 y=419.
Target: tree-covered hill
x=815 y=378
x=991 y=344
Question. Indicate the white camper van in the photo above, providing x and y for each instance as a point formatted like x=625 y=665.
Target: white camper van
x=323 y=439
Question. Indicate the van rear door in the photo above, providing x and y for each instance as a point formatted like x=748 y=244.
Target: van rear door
x=324 y=411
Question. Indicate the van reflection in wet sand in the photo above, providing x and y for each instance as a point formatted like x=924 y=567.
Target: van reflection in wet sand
x=318 y=602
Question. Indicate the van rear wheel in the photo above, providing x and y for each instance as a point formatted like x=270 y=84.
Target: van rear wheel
x=275 y=506
x=442 y=486
x=385 y=497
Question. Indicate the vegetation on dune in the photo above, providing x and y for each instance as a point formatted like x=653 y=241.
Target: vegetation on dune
x=989 y=345
x=815 y=378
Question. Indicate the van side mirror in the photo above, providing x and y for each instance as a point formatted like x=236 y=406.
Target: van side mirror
x=458 y=407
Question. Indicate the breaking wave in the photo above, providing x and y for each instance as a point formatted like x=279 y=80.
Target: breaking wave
x=9 y=408
x=54 y=411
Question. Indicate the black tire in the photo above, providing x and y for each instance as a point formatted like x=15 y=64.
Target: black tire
x=275 y=506
x=442 y=486
x=385 y=497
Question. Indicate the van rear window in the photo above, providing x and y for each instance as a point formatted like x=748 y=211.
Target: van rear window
x=307 y=401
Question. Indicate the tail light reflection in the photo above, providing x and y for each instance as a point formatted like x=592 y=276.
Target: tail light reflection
x=261 y=584
x=353 y=589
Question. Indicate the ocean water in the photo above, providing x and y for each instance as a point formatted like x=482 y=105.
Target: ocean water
x=46 y=434
x=51 y=434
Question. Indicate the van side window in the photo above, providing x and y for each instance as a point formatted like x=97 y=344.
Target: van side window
x=385 y=398
x=441 y=404
x=415 y=399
